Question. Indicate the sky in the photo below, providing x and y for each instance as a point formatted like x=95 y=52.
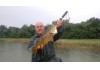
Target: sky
x=18 y=12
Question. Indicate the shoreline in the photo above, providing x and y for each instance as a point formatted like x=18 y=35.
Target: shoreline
x=21 y=40
x=82 y=44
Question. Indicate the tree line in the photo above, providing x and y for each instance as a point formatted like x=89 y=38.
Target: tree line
x=89 y=29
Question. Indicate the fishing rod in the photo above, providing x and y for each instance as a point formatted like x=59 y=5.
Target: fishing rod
x=65 y=14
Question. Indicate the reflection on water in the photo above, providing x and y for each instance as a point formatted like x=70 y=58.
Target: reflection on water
x=17 y=52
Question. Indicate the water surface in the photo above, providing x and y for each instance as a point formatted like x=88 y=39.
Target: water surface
x=17 y=52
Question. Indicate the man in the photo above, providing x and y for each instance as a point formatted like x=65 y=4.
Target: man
x=45 y=53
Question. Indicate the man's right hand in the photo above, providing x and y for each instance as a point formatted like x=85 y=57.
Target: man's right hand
x=40 y=47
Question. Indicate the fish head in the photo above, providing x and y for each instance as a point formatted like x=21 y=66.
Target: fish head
x=53 y=29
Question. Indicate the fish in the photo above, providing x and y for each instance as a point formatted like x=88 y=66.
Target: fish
x=46 y=36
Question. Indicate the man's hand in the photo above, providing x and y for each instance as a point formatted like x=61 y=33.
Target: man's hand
x=40 y=47
x=59 y=23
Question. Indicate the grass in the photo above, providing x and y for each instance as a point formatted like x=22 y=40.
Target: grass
x=21 y=40
x=79 y=42
x=86 y=44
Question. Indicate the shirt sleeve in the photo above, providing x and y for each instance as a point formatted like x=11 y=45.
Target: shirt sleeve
x=31 y=43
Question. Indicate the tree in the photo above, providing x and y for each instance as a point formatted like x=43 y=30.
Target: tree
x=3 y=31
x=13 y=32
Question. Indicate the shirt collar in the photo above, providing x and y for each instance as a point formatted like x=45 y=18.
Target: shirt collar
x=37 y=35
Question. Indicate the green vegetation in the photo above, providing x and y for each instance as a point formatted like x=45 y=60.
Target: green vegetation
x=84 y=35
x=89 y=29
x=21 y=40
x=84 y=30
x=84 y=44
x=15 y=32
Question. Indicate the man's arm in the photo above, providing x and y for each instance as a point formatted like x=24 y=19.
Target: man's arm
x=58 y=35
x=59 y=30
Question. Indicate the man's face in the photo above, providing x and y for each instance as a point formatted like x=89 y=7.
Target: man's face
x=39 y=27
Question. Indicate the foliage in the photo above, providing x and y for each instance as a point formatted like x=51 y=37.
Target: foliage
x=89 y=29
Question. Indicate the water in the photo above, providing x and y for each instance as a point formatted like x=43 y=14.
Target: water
x=17 y=52
x=76 y=55
x=14 y=52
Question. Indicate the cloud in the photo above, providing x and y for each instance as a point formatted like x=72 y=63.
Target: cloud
x=48 y=11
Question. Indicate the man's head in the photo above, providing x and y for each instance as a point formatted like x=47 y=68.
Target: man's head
x=39 y=27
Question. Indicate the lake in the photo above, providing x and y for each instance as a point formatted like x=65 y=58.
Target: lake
x=17 y=52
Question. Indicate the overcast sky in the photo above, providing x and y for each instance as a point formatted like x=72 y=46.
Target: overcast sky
x=46 y=11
